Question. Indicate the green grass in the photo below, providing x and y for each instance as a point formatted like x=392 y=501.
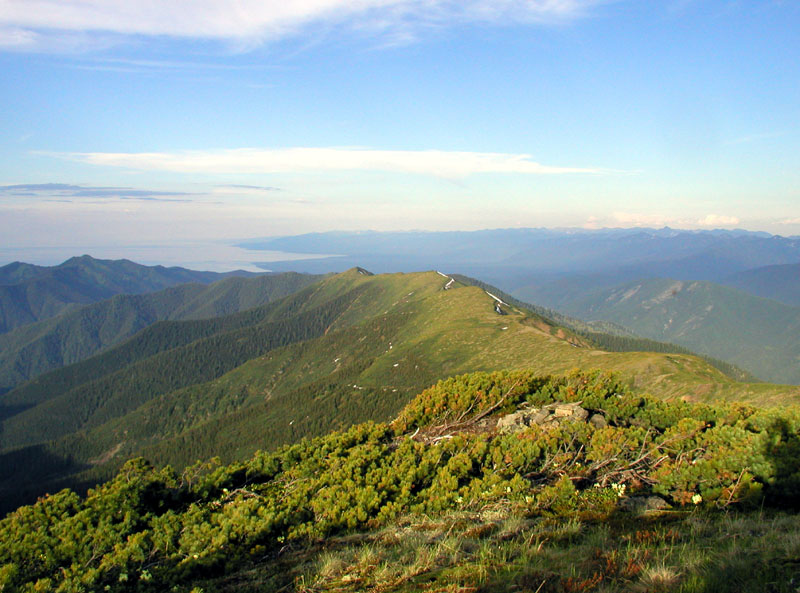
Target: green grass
x=494 y=550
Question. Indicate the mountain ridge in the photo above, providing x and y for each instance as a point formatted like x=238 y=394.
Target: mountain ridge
x=383 y=337
x=778 y=282
x=31 y=293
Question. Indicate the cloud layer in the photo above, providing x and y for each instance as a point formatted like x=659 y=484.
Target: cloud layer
x=30 y=24
x=255 y=160
x=718 y=220
x=65 y=191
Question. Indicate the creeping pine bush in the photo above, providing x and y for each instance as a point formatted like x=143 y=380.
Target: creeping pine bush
x=153 y=529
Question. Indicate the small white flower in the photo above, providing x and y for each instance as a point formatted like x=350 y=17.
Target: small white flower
x=697 y=499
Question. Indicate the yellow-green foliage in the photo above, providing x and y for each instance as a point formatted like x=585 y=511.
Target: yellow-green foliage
x=155 y=529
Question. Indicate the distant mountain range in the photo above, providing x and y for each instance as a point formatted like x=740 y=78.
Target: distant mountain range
x=30 y=293
x=348 y=348
x=514 y=259
x=780 y=282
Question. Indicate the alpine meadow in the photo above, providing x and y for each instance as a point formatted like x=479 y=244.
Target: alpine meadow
x=399 y=296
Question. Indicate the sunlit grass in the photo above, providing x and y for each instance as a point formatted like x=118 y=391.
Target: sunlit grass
x=461 y=551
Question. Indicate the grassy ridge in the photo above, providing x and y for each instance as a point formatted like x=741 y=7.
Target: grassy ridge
x=610 y=336
x=390 y=336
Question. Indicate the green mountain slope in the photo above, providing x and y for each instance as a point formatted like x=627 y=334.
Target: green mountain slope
x=38 y=347
x=197 y=352
x=17 y=272
x=780 y=282
x=609 y=336
x=759 y=335
x=350 y=348
x=30 y=293
x=601 y=490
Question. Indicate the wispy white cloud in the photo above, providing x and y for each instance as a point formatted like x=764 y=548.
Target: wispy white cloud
x=237 y=189
x=285 y=160
x=65 y=192
x=37 y=24
x=593 y=222
x=718 y=220
x=654 y=220
x=790 y=221
x=642 y=219
x=164 y=66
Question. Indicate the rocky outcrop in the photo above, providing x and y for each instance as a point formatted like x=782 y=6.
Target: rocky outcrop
x=552 y=415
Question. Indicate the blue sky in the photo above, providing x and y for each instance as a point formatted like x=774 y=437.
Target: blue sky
x=140 y=123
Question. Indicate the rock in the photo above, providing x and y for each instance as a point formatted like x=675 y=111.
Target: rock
x=598 y=421
x=548 y=415
x=540 y=417
x=514 y=422
x=578 y=413
x=563 y=410
x=644 y=504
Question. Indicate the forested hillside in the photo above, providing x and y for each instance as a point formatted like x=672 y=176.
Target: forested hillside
x=31 y=293
x=77 y=334
x=757 y=334
x=350 y=348
x=779 y=282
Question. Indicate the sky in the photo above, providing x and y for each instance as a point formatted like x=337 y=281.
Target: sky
x=161 y=123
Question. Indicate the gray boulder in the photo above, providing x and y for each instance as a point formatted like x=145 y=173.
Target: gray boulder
x=550 y=415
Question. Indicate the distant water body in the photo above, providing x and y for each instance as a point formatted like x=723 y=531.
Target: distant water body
x=208 y=256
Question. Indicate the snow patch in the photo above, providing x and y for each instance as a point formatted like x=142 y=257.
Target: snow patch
x=498 y=299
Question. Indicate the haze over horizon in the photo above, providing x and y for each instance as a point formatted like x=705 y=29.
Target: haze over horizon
x=177 y=126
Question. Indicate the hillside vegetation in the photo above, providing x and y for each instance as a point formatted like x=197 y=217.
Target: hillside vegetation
x=350 y=348
x=778 y=282
x=31 y=293
x=653 y=496
x=77 y=334
x=757 y=334
x=607 y=335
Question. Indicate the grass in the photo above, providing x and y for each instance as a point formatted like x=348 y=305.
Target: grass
x=493 y=550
